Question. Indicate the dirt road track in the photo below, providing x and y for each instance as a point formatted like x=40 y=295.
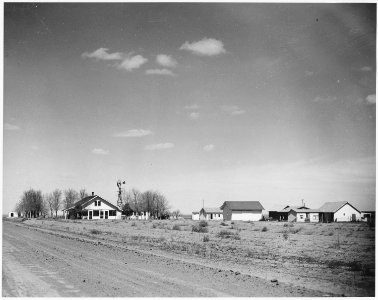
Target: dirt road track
x=39 y=264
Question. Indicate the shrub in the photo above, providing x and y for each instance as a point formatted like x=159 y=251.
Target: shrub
x=133 y=224
x=95 y=231
x=203 y=223
x=232 y=223
x=206 y=238
x=197 y=228
x=228 y=234
x=264 y=229
x=224 y=224
x=154 y=225
x=285 y=235
x=176 y=227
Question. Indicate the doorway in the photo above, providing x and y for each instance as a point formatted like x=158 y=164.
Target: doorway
x=106 y=214
x=90 y=213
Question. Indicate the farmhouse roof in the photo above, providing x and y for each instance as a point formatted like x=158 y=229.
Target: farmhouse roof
x=305 y=210
x=288 y=208
x=243 y=205
x=81 y=204
x=332 y=207
x=213 y=210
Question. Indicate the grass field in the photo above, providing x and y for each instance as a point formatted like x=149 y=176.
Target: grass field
x=335 y=258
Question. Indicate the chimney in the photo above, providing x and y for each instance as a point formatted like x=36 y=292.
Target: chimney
x=92 y=193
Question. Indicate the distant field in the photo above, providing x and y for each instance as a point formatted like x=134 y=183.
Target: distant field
x=336 y=258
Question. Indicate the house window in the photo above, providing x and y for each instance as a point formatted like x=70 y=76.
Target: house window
x=112 y=213
x=344 y=214
x=96 y=213
x=101 y=214
x=301 y=216
x=98 y=203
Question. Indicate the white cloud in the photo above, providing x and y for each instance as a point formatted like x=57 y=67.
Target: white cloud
x=8 y=126
x=102 y=54
x=162 y=146
x=233 y=110
x=194 y=115
x=371 y=99
x=206 y=47
x=100 y=151
x=133 y=133
x=209 y=148
x=191 y=107
x=132 y=62
x=366 y=69
x=166 y=61
x=160 y=72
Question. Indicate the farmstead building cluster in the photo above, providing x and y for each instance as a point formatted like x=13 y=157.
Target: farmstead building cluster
x=341 y=211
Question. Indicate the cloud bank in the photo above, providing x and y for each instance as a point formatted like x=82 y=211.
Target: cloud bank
x=102 y=54
x=233 y=110
x=132 y=62
x=165 y=72
x=371 y=99
x=209 y=148
x=8 y=126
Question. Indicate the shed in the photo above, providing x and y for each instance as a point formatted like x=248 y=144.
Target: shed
x=13 y=214
x=242 y=210
x=303 y=215
x=341 y=211
x=92 y=207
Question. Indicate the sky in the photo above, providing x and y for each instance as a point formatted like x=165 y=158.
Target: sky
x=204 y=102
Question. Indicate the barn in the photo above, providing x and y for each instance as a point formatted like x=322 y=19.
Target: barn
x=92 y=208
x=242 y=210
x=341 y=211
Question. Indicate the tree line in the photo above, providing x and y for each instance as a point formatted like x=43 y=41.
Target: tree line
x=34 y=204
x=153 y=202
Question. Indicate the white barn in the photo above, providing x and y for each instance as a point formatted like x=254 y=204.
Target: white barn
x=242 y=211
x=92 y=208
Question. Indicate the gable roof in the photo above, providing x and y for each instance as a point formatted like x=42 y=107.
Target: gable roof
x=213 y=210
x=288 y=208
x=332 y=207
x=83 y=203
x=243 y=205
x=304 y=210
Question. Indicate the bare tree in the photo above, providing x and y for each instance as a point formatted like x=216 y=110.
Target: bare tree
x=57 y=202
x=83 y=193
x=70 y=197
x=136 y=200
x=31 y=203
x=176 y=213
x=49 y=203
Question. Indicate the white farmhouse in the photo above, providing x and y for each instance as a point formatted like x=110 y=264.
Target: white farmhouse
x=92 y=208
x=341 y=211
x=242 y=211
x=303 y=215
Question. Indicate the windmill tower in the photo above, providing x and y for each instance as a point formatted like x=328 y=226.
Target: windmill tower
x=119 y=201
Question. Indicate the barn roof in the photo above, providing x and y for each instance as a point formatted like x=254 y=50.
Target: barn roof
x=332 y=207
x=243 y=205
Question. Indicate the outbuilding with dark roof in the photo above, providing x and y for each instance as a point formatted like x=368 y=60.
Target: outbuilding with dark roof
x=242 y=210
x=341 y=211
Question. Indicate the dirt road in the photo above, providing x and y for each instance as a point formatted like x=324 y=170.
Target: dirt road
x=37 y=263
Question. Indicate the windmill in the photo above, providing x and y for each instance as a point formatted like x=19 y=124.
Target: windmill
x=119 y=201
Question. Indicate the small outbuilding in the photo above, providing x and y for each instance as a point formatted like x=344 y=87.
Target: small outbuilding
x=13 y=214
x=208 y=213
x=92 y=208
x=242 y=210
x=303 y=215
x=341 y=211
x=283 y=214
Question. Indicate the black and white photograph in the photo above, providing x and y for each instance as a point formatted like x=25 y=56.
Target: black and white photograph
x=189 y=149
